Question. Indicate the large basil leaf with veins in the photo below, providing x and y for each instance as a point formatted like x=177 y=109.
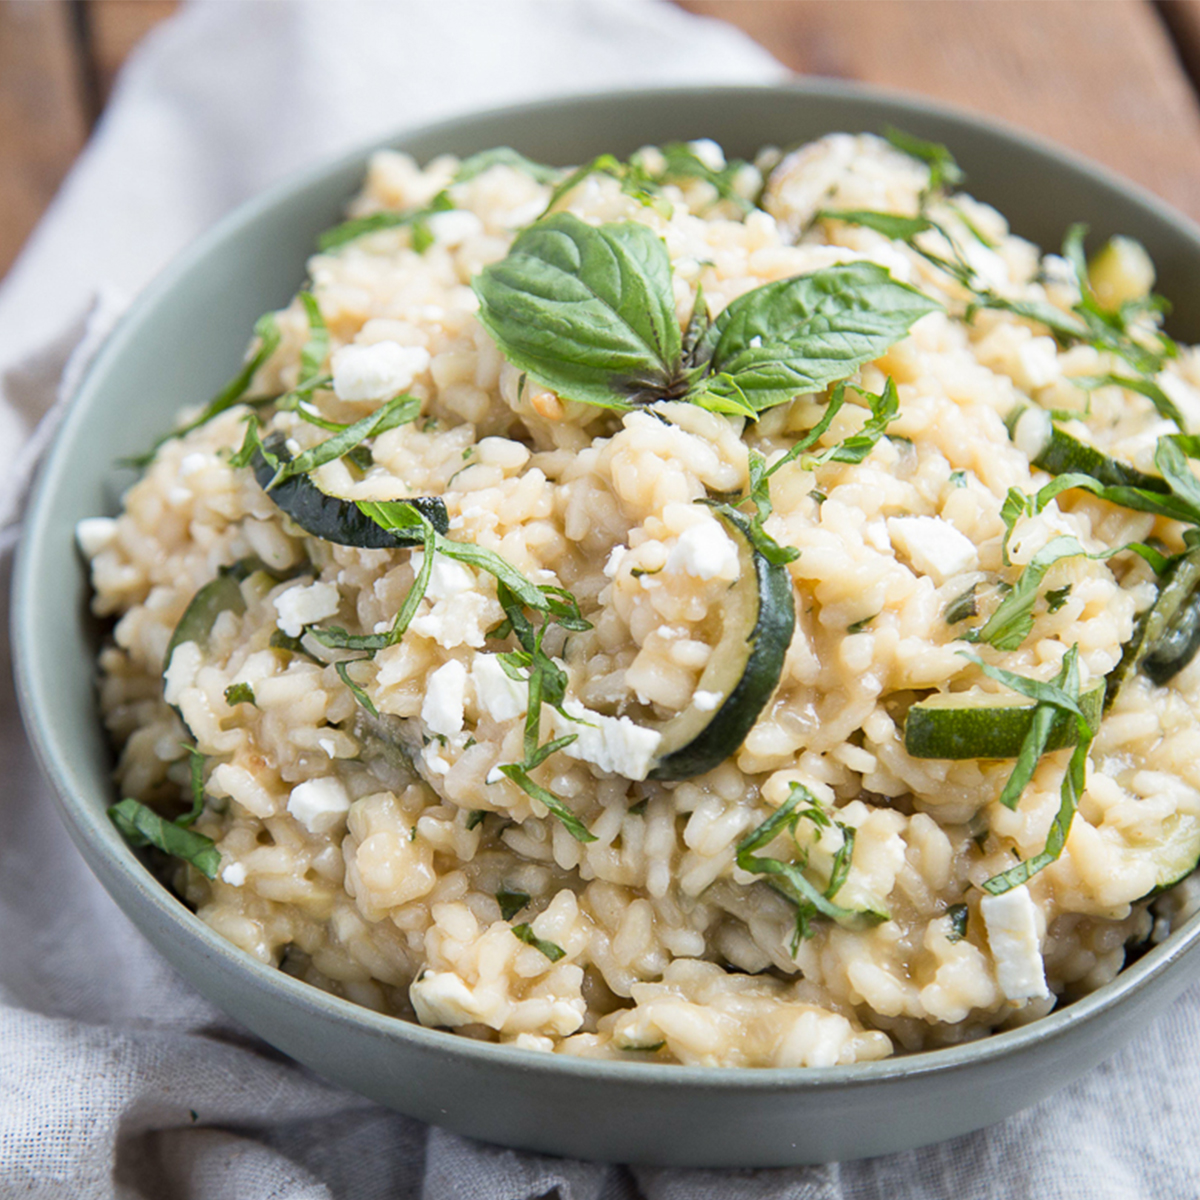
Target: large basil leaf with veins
x=586 y=311
x=802 y=334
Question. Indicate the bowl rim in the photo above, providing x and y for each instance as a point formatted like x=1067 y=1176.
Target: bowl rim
x=88 y=824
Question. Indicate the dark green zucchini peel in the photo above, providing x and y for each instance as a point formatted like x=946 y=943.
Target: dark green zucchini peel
x=334 y=519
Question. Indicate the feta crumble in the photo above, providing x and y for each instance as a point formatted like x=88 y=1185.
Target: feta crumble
x=705 y=551
x=496 y=694
x=319 y=804
x=95 y=534
x=613 y=744
x=1011 y=920
x=933 y=546
x=300 y=606
x=442 y=710
x=234 y=875
x=707 y=701
x=376 y=372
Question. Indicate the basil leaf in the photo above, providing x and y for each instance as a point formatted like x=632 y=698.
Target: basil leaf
x=680 y=161
x=504 y=156
x=142 y=826
x=800 y=335
x=511 y=903
x=343 y=670
x=1163 y=404
x=586 y=311
x=349 y=231
x=316 y=349
x=891 y=225
x=525 y=934
x=239 y=693
x=1010 y=624
x=957 y=915
x=943 y=168
x=196 y=771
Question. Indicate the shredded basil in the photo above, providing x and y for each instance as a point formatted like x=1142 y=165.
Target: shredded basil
x=504 y=156
x=957 y=915
x=475 y=818
x=943 y=169
x=343 y=670
x=962 y=607
x=349 y=231
x=239 y=693
x=860 y=626
x=1057 y=598
x=511 y=902
x=525 y=934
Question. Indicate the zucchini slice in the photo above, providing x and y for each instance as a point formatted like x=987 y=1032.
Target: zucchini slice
x=335 y=519
x=757 y=623
x=222 y=594
x=1033 y=431
x=1167 y=635
x=975 y=724
x=1175 y=855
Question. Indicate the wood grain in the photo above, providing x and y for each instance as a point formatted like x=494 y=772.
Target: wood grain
x=1100 y=76
x=114 y=28
x=42 y=126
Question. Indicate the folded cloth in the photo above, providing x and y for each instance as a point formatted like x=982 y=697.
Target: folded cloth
x=116 y=1080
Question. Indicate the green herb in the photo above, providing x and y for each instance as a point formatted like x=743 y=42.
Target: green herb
x=788 y=877
x=638 y=809
x=343 y=670
x=397 y=411
x=511 y=902
x=239 y=693
x=267 y=331
x=1163 y=404
x=958 y=479
x=316 y=348
x=638 y=572
x=1061 y=695
x=957 y=915
x=574 y=826
x=653 y=1048
x=859 y=626
x=475 y=818
x=293 y=645
x=942 y=167
x=1057 y=598
x=900 y=229
x=633 y=178
x=504 y=156
x=525 y=934
x=349 y=231
x=818 y=495
x=962 y=607
x=681 y=162
x=142 y=826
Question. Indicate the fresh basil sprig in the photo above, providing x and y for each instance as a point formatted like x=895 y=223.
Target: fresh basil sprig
x=590 y=312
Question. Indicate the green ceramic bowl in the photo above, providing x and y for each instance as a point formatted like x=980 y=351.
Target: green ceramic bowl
x=186 y=335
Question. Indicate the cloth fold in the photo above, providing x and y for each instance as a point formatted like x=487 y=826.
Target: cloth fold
x=116 y=1079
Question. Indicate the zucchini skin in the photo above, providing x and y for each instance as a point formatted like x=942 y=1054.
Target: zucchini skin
x=336 y=520
x=1178 y=645
x=769 y=641
x=1064 y=454
x=218 y=595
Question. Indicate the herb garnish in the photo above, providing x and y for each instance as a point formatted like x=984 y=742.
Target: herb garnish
x=525 y=934
x=957 y=915
x=142 y=826
x=511 y=902
x=239 y=693
x=789 y=879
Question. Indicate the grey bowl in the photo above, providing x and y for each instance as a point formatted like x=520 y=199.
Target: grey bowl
x=184 y=337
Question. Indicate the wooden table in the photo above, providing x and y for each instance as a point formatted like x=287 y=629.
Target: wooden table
x=1115 y=79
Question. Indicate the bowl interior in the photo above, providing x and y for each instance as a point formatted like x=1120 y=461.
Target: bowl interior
x=186 y=335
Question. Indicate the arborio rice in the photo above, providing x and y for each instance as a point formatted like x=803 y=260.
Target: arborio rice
x=810 y=883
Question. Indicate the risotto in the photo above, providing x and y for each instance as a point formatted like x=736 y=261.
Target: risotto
x=677 y=610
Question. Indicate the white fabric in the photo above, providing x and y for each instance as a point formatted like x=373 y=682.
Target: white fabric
x=116 y=1080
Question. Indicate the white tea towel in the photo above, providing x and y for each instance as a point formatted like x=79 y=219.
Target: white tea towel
x=116 y=1080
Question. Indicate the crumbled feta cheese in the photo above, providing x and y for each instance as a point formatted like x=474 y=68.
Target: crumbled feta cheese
x=300 y=606
x=1038 y=359
x=376 y=372
x=442 y=710
x=181 y=671
x=613 y=744
x=189 y=464
x=95 y=534
x=454 y=227
x=933 y=546
x=457 y=612
x=447 y=579
x=613 y=565
x=234 y=874
x=705 y=551
x=707 y=701
x=441 y=998
x=319 y=804
x=433 y=760
x=494 y=775
x=496 y=694
x=1012 y=932
x=328 y=745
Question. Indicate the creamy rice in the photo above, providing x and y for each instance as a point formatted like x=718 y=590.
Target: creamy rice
x=365 y=855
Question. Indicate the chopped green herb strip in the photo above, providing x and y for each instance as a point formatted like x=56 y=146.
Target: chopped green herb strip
x=525 y=934
x=962 y=607
x=511 y=902
x=884 y=407
x=293 y=645
x=316 y=349
x=475 y=818
x=943 y=169
x=638 y=809
x=860 y=626
x=889 y=224
x=788 y=877
x=681 y=162
x=343 y=670
x=653 y=1048
x=142 y=826
x=504 y=156
x=1163 y=404
x=957 y=915
x=349 y=231
x=239 y=693
x=958 y=479
x=397 y=411
x=574 y=826
x=633 y=178
x=267 y=331
x=1057 y=598
x=638 y=572
x=818 y=495
x=800 y=335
